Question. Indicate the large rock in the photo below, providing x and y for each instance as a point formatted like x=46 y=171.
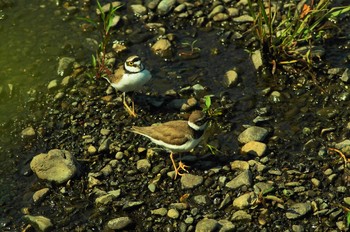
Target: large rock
x=57 y=165
x=40 y=223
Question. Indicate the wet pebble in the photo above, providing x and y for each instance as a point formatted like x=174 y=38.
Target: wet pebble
x=244 y=201
x=253 y=133
x=189 y=181
x=143 y=165
x=52 y=84
x=28 y=132
x=298 y=210
x=208 y=225
x=160 y=211
x=243 y=179
x=65 y=66
x=138 y=9
x=241 y=216
x=240 y=165
x=119 y=223
x=162 y=48
x=40 y=194
x=254 y=148
x=57 y=165
x=230 y=78
x=40 y=223
x=165 y=6
x=173 y=213
x=345 y=77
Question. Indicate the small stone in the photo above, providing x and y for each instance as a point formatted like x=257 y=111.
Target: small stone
x=240 y=165
x=104 y=200
x=143 y=165
x=347 y=200
x=119 y=223
x=40 y=194
x=243 y=179
x=297 y=228
x=189 y=220
x=138 y=9
x=180 y=8
x=165 y=6
x=160 y=211
x=218 y=9
x=220 y=17
x=207 y=225
x=107 y=170
x=189 y=181
x=104 y=146
x=105 y=8
x=57 y=165
x=65 y=66
x=226 y=226
x=254 y=148
x=200 y=199
x=66 y=80
x=231 y=78
x=243 y=19
x=233 y=12
x=179 y=206
x=162 y=48
x=298 y=210
x=256 y=58
x=52 y=85
x=119 y=155
x=345 y=77
x=40 y=223
x=173 y=213
x=244 y=200
x=92 y=150
x=253 y=133
x=105 y=132
x=28 y=132
x=241 y=216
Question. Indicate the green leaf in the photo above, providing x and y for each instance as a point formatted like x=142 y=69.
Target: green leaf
x=93 y=61
x=207 y=101
x=92 y=22
x=348 y=219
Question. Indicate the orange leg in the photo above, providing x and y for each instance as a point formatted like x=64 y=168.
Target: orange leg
x=131 y=110
x=177 y=168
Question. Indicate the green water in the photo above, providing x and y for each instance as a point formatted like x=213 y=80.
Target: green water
x=33 y=36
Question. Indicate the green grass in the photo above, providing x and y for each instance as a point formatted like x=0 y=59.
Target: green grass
x=301 y=26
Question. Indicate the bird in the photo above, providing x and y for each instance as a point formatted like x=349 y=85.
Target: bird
x=130 y=76
x=176 y=136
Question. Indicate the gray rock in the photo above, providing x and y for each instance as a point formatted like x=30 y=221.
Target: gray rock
x=240 y=216
x=262 y=187
x=218 y=9
x=104 y=200
x=239 y=164
x=138 y=9
x=207 y=225
x=253 y=133
x=243 y=179
x=104 y=146
x=233 y=12
x=119 y=223
x=345 y=77
x=28 y=132
x=173 y=213
x=201 y=199
x=226 y=226
x=230 y=78
x=257 y=59
x=227 y=200
x=254 y=148
x=132 y=204
x=106 y=170
x=189 y=181
x=65 y=66
x=179 y=206
x=298 y=210
x=165 y=6
x=143 y=165
x=244 y=201
x=220 y=17
x=40 y=223
x=57 y=165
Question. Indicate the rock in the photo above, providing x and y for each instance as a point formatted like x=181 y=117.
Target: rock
x=40 y=194
x=226 y=226
x=220 y=17
x=241 y=216
x=347 y=200
x=143 y=165
x=243 y=179
x=92 y=150
x=298 y=210
x=244 y=201
x=65 y=66
x=257 y=59
x=40 y=223
x=173 y=213
x=189 y=181
x=262 y=187
x=243 y=19
x=233 y=12
x=344 y=146
x=240 y=165
x=218 y=9
x=275 y=97
x=207 y=225
x=28 y=132
x=200 y=199
x=104 y=200
x=253 y=133
x=152 y=4
x=162 y=48
x=104 y=146
x=119 y=223
x=52 y=85
x=138 y=9
x=230 y=78
x=57 y=165
x=165 y=6
x=107 y=170
x=345 y=77
x=66 y=80
x=254 y=148
x=160 y=211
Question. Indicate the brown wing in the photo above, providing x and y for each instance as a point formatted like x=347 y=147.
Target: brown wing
x=169 y=132
x=118 y=73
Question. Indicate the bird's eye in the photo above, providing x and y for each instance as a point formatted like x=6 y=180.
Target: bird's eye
x=130 y=63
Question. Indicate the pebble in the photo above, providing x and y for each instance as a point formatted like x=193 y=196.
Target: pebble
x=165 y=6
x=143 y=165
x=347 y=200
x=40 y=194
x=162 y=48
x=189 y=181
x=244 y=201
x=160 y=211
x=257 y=59
x=65 y=66
x=239 y=165
x=207 y=225
x=104 y=146
x=57 y=165
x=92 y=150
x=298 y=210
x=315 y=182
x=243 y=19
x=345 y=77
x=173 y=213
x=230 y=78
x=105 y=8
x=28 y=132
x=226 y=226
x=119 y=223
x=254 y=148
x=200 y=199
x=66 y=80
x=52 y=84
x=241 y=215
x=138 y=9
x=40 y=223
x=243 y=179
x=220 y=17
x=253 y=133
x=218 y=9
